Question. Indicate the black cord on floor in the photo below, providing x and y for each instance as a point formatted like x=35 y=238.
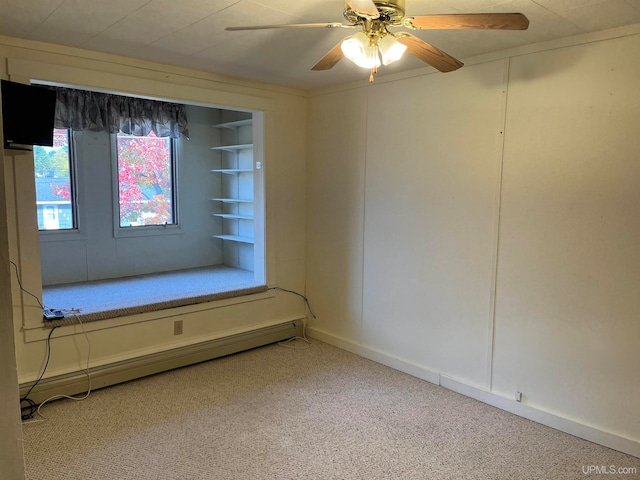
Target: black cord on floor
x=298 y=294
x=31 y=407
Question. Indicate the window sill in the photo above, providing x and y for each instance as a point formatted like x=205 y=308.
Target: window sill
x=40 y=332
x=61 y=235
x=114 y=302
x=146 y=231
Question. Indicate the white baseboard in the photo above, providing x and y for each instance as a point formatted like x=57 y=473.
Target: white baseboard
x=123 y=371
x=377 y=356
x=572 y=427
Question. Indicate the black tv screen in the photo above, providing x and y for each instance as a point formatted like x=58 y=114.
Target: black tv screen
x=28 y=113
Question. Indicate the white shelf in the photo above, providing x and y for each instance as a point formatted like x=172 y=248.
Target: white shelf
x=232 y=215
x=235 y=238
x=234 y=125
x=232 y=200
x=234 y=148
x=232 y=171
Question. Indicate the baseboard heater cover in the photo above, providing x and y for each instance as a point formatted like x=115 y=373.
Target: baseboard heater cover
x=124 y=371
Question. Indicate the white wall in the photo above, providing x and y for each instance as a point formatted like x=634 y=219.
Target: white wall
x=568 y=297
x=496 y=248
x=11 y=460
x=130 y=337
x=335 y=202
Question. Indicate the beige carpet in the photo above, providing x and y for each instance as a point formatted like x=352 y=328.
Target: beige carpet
x=278 y=413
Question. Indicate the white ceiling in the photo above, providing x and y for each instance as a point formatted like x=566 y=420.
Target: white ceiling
x=191 y=33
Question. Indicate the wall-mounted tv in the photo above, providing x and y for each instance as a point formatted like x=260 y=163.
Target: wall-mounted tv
x=28 y=113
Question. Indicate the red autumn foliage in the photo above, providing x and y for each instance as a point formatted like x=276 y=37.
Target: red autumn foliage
x=61 y=190
x=144 y=180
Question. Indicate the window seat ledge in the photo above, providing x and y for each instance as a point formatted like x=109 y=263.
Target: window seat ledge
x=107 y=299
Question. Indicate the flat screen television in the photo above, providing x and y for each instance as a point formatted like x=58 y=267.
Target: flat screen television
x=28 y=113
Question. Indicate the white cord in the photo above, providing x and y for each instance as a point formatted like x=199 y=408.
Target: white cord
x=304 y=338
x=74 y=312
x=304 y=322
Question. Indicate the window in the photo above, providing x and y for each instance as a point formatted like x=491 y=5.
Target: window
x=146 y=180
x=54 y=172
x=206 y=189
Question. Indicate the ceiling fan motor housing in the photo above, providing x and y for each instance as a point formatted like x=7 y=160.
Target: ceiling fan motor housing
x=393 y=10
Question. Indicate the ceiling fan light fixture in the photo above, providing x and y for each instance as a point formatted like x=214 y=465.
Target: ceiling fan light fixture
x=391 y=50
x=359 y=49
x=371 y=58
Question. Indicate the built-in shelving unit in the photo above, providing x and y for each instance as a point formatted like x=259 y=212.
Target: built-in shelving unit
x=235 y=210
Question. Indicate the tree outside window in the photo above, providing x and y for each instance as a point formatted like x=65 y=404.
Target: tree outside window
x=145 y=180
x=53 y=177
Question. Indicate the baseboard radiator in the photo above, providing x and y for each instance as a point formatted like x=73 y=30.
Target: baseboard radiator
x=124 y=371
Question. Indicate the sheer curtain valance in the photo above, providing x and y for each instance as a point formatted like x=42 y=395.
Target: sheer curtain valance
x=85 y=110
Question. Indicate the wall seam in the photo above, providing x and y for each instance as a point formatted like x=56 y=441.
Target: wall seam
x=364 y=213
x=496 y=226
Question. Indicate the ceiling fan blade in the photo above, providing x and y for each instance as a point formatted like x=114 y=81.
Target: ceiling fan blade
x=364 y=7
x=429 y=54
x=489 y=21
x=330 y=59
x=292 y=25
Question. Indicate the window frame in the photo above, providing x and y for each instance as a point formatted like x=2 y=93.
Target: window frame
x=76 y=231
x=264 y=109
x=145 y=230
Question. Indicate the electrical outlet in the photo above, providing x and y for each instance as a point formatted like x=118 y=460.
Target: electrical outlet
x=177 y=327
x=518 y=396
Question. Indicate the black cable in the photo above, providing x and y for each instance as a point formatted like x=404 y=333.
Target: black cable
x=31 y=406
x=298 y=294
x=24 y=289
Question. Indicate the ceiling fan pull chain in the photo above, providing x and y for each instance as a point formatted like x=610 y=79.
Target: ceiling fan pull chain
x=374 y=70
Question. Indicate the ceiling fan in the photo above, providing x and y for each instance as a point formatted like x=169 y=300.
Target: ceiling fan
x=375 y=44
